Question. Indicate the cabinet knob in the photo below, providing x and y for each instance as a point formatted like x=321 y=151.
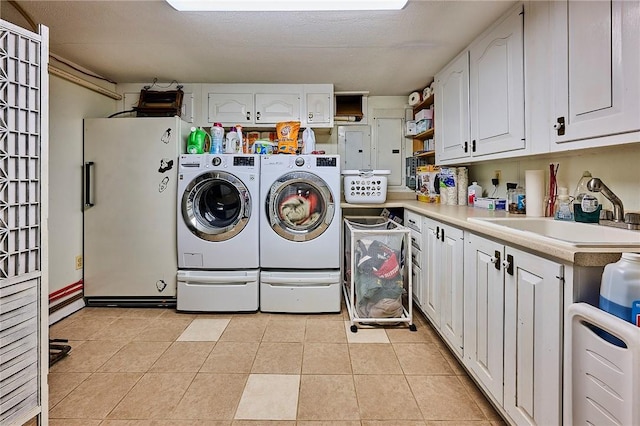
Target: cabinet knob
x=248 y=115
x=505 y=263
x=310 y=116
x=257 y=115
x=493 y=260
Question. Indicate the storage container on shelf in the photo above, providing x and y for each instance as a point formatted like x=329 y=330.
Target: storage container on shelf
x=377 y=272
x=365 y=186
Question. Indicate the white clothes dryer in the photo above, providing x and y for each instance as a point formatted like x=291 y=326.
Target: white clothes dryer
x=218 y=211
x=300 y=212
x=300 y=234
x=218 y=223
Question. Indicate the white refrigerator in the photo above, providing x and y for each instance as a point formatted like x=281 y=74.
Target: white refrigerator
x=129 y=196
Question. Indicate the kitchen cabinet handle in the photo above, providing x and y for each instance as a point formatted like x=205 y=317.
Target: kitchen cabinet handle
x=88 y=199
x=310 y=116
x=248 y=115
x=508 y=264
x=442 y=235
x=559 y=126
x=473 y=145
x=258 y=116
x=495 y=259
x=437 y=233
x=466 y=146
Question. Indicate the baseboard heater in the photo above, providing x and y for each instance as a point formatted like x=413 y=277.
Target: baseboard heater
x=132 y=302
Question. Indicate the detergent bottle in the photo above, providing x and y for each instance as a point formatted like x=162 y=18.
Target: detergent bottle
x=196 y=141
x=217 y=136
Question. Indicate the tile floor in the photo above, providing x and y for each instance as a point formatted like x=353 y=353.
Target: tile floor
x=159 y=367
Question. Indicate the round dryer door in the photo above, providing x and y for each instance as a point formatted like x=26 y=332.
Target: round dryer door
x=299 y=206
x=216 y=206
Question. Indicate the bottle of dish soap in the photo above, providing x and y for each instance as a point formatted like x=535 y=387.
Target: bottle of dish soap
x=562 y=207
x=586 y=205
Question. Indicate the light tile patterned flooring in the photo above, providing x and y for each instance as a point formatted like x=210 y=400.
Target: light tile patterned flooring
x=160 y=367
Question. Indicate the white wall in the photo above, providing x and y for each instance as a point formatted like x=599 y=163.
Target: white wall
x=68 y=105
x=618 y=167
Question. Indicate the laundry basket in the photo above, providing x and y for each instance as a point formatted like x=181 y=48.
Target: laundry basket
x=604 y=378
x=377 y=275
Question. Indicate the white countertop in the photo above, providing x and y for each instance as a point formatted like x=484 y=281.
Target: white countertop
x=458 y=215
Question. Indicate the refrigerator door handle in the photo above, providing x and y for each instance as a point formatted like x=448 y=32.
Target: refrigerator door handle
x=88 y=199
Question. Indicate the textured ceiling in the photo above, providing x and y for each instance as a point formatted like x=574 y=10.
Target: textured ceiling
x=385 y=53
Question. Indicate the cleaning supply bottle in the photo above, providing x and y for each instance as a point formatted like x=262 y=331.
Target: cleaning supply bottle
x=217 y=136
x=620 y=291
x=196 y=141
x=586 y=204
x=562 y=207
x=473 y=192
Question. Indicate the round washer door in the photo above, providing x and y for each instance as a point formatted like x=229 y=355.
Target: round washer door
x=299 y=206
x=216 y=206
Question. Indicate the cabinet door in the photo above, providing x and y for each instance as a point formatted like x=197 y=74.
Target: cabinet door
x=484 y=312
x=226 y=108
x=319 y=108
x=533 y=340
x=272 y=108
x=596 y=69
x=430 y=274
x=496 y=87
x=416 y=287
x=452 y=110
x=450 y=263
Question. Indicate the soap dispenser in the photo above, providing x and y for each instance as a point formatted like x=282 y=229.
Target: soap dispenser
x=586 y=204
x=562 y=207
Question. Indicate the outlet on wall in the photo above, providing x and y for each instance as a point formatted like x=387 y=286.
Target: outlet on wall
x=78 y=262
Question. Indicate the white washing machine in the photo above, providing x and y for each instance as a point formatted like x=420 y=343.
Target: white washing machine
x=217 y=229
x=300 y=233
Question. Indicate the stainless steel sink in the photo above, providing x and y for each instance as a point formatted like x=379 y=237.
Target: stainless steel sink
x=573 y=233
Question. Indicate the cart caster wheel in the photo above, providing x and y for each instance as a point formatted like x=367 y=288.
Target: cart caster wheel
x=354 y=329
x=413 y=327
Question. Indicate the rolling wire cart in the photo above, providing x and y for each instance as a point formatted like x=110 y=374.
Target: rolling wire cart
x=377 y=272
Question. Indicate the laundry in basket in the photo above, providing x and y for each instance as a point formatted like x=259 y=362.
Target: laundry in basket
x=378 y=272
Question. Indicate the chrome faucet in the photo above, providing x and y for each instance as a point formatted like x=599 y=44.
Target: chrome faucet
x=596 y=185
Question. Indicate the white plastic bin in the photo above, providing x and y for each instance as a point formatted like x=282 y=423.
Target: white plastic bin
x=604 y=378
x=377 y=268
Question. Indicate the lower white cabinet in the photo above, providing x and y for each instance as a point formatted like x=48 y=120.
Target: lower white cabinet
x=442 y=278
x=484 y=312
x=533 y=296
x=512 y=334
x=413 y=221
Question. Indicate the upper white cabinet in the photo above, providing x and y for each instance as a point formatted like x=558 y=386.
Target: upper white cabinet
x=596 y=64
x=229 y=106
x=272 y=108
x=496 y=88
x=480 y=95
x=452 y=110
x=264 y=105
x=318 y=99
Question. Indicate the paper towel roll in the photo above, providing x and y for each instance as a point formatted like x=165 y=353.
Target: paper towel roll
x=414 y=98
x=534 y=190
